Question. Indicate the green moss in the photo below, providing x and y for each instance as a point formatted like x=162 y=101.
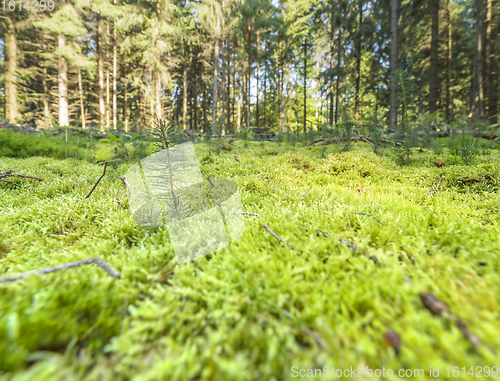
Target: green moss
x=237 y=314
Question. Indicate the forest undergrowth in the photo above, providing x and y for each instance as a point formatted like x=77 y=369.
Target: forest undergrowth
x=369 y=235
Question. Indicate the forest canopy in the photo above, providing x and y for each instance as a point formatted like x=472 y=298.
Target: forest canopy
x=265 y=64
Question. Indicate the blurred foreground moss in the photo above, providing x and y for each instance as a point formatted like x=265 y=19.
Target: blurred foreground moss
x=237 y=314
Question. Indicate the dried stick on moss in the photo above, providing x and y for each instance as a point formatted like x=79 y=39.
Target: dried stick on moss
x=277 y=236
x=97 y=261
x=100 y=178
x=315 y=337
x=11 y=173
x=249 y=168
x=247 y=213
x=125 y=181
x=355 y=247
x=434 y=191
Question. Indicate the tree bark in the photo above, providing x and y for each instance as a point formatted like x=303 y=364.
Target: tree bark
x=114 y=76
x=216 y=74
x=337 y=90
x=204 y=102
x=158 y=93
x=282 y=95
x=332 y=62
x=257 y=76
x=494 y=30
x=184 y=88
x=358 y=60
x=448 y=65
x=305 y=84
x=10 y=75
x=479 y=59
x=100 y=76
x=265 y=86
x=82 y=108
x=245 y=91
x=433 y=77
x=393 y=112
x=62 y=84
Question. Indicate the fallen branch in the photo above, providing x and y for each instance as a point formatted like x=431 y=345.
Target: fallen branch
x=434 y=191
x=11 y=173
x=249 y=168
x=355 y=247
x=100 y=178
x=315 y=337
x=247 y=213
x=210 y=180
x=97 y=261
x=277 y=236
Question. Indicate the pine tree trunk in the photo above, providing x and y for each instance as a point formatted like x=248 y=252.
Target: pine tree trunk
x=10 y=42
x=257 y=76
x=46 y=99
x=158 y=93
x=223 y=90
x=393 y=112
x=100 y=76
x=448 y=65
x=282 y=95
x=337 y=97
x=82 y=108
x=184 y=89
x=125 y=115
x=493 y=64
x=479 y=59
x=204 y=102
x=216 y=74
x=115 y=126
x=107 y=76
x=332 y=63
x=228 y=92
x=433 y=77
x=62 y=84
x=358 y=60
x=245 y=90
x=249 y=93
x=265 y=88
x=305 y=84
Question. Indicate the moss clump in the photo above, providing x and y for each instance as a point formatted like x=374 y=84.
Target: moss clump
x=238 y=314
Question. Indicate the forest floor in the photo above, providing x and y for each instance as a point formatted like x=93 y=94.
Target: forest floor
x=256 y=309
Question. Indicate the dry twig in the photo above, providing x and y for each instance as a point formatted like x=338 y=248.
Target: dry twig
x=97 y=261
x=125 y=181
x=393 y=340
x=210 y=180
x=315 y=337
x=249 y=168
x=434 y=191
x=247 y=213
x=11 y=173
x=100 y=178
x=277 y=236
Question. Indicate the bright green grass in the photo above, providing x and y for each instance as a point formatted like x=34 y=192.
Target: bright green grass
x=237 y=314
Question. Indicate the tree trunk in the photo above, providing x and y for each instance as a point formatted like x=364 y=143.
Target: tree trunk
x=393 y=112
x=249 y=93
x=184 y=88
x=282 y=95
x=332 y=62
x=358 y=60
x=114 y=77
x=107 y=76
x=493 y=65
x=257 y=76
x=204 y=102
x=158 y=93
x=448 y=65
x=265 y=87
x=305 y=84
x=62 y=84
x=245 y=90
x=337 y=98
x=216 y=74
x=10 y=42
x=125 y=115
x=433 y=77
x=479 y=59
x=82 y=108
x=100 y=75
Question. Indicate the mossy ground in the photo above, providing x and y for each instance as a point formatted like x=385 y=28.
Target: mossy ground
x=237 y=314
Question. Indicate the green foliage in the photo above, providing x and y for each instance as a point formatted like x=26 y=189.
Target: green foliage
x=127 y=147
x=14 y=144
